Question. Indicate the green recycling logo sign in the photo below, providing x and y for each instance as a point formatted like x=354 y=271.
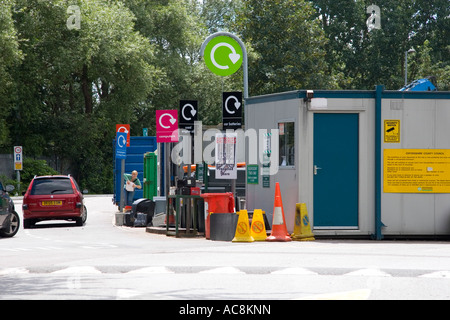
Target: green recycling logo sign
x=223 y=55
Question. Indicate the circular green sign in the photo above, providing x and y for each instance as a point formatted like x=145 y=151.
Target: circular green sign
x=223 y=55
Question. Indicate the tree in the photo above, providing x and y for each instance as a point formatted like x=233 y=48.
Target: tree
x=218 y=15
x=289 y=43
x=423 y=64
x=177 y=29
x=366 y=58
x=10 y=55
x=76 y=84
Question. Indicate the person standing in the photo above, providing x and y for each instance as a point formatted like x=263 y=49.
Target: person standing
x=131 y=182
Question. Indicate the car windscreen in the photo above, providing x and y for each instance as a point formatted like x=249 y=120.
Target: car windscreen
x=51 y=186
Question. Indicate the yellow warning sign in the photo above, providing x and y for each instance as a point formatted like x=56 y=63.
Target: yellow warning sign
x=392 y=131
x=416 y=170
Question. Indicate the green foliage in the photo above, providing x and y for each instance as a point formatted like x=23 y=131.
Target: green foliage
x=363 y=59
x=422 y=65
x=289 y=44
x=31 y=168
x=75 y=85
x=10 y=55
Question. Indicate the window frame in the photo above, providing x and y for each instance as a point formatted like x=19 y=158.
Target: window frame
x=282 y=145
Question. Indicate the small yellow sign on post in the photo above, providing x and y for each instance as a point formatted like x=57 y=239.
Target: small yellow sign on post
x=392 y=131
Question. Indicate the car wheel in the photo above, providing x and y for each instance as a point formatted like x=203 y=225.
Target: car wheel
x=82 y=220
x=13 y=226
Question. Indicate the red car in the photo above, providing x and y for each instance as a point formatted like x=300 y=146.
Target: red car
x=53 y=198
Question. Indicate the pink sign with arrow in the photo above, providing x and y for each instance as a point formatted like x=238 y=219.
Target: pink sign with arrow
x=166 y=126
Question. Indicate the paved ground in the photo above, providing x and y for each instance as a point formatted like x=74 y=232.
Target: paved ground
x=58 y=260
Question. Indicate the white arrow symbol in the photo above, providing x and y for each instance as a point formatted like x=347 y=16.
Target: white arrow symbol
x=237 y=104
x=172 y=120
x=234 y=57
x=121 y=141
x=123 y=129
x=193 y=111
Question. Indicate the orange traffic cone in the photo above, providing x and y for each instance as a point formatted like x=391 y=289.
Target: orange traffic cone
x=171 y=219
x=279 y=229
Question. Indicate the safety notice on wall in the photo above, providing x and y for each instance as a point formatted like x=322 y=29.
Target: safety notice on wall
x=392 y=131
x=417 y=170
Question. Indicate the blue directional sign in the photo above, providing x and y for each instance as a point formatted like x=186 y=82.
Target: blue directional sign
x=121 y=145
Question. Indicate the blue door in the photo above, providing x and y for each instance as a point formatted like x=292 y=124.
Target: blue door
x=336 y=170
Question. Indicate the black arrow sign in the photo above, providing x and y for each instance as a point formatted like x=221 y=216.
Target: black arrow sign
x=188 y=114
x=232 y=110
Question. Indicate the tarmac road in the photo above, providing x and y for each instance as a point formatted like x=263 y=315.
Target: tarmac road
x=57 y=260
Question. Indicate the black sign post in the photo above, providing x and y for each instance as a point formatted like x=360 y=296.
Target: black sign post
x=232 y=110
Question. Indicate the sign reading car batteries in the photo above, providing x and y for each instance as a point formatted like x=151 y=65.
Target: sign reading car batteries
x=232 y=110
x=188 y=114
